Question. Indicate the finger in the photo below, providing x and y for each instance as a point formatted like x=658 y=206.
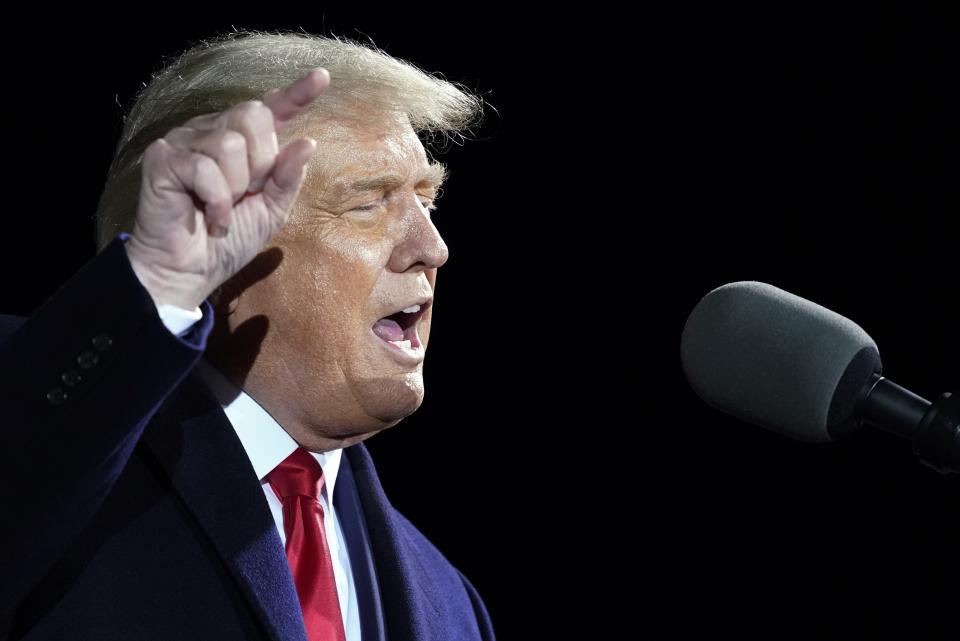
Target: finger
x=289 y=101
x=284 y=182
x=254 y=120
x=204 y=121
x=201 y=175
x=227 y=147
x=213 y=189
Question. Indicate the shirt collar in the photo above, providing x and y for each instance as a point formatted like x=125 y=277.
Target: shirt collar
x=265 y=441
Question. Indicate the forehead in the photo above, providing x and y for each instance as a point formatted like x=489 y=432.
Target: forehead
x=382 y=139
x=376 y=152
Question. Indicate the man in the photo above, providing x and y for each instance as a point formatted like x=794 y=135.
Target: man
x=147 y=498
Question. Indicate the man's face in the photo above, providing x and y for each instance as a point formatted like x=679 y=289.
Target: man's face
x=308 y=340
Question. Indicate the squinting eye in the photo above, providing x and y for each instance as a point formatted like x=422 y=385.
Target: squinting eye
x=369 y=207
x=428 y=205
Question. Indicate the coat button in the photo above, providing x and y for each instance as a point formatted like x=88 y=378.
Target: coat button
x=102 y=342
x=71 y=377
x=86 y=360
x=56 y=396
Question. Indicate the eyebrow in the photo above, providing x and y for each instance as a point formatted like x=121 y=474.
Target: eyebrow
x=432 y=176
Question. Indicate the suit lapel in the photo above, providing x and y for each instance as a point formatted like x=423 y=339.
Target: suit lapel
x=409 y=599
x=353 y=523
x=193 y=442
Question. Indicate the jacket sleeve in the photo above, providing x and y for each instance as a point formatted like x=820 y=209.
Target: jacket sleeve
x=79 y=381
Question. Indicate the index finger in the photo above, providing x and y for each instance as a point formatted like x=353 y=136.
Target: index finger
x=287 y=102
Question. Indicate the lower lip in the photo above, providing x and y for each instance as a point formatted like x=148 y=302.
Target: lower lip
x=410 y=356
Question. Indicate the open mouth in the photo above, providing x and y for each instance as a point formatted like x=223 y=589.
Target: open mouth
x=400 y=329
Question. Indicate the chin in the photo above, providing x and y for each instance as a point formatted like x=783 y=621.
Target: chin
x=391 y=399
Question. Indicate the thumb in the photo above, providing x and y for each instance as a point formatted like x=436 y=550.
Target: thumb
x=288 y=173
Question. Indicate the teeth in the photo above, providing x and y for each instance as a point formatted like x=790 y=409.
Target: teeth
x=401 y=344
x=413 y=309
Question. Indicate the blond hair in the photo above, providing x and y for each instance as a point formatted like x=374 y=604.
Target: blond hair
x=239 y=66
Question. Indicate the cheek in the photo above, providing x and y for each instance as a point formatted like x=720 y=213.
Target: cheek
x=339 y=267
x=341 y=277
x=338 y=255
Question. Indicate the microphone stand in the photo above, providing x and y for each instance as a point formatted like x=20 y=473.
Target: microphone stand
x=934 y=427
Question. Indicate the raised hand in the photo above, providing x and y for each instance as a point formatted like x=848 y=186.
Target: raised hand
x=214 y=192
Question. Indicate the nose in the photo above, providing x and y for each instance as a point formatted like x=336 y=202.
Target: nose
x=420 y=245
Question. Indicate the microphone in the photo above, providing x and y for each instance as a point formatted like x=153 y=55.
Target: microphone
x=782 y=362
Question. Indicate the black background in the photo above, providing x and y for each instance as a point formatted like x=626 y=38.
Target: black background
x=628 y=164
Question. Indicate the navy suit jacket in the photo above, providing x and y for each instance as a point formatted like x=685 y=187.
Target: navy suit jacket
x=131 y=511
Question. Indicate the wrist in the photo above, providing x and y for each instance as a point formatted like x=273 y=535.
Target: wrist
x=158 y=287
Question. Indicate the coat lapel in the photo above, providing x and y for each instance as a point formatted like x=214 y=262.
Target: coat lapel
x=193 y=442
x=363 y=568
x=409 y=599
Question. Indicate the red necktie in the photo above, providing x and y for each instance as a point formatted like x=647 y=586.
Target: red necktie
x=298 y=481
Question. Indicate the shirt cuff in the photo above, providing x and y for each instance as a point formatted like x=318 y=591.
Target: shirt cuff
x=178 y=320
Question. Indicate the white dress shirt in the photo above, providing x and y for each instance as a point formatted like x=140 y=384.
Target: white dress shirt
x=267 y=444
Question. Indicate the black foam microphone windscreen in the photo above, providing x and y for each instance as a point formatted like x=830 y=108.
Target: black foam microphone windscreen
x=777 y=360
